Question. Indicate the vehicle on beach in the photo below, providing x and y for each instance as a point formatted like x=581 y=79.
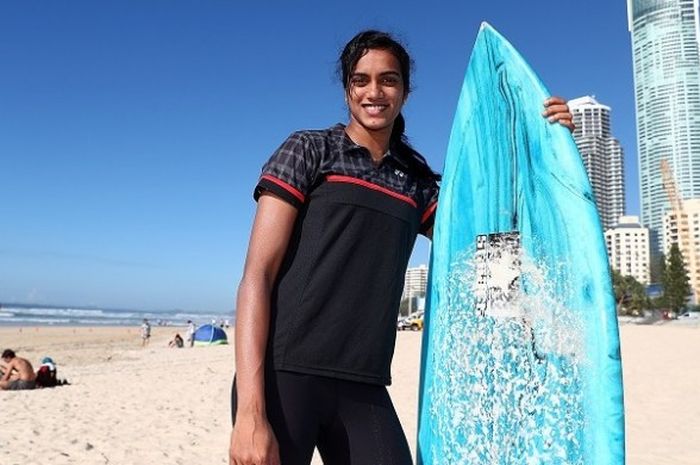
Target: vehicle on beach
x=413 y=322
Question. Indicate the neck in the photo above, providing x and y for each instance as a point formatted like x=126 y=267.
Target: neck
x=377 y=142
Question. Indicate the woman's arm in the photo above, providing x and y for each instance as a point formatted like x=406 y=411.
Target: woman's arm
x=252 y=439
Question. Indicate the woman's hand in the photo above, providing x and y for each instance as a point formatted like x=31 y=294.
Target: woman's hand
x=556 y=110
x=253 y=442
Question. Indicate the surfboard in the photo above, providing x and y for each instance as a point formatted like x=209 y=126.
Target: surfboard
x=520 y=360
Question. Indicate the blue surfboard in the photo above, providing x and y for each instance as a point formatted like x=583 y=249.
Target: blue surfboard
x=521 y=356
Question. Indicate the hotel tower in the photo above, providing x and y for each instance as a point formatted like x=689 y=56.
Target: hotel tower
x=667 y=93
x=602 y=155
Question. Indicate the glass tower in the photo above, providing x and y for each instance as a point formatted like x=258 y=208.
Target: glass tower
x=667 y=93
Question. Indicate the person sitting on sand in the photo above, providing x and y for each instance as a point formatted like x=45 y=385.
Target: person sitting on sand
x=177 y=342
x=18 y=374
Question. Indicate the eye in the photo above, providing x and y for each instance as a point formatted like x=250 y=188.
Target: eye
x=359 y=81
x=390 y=81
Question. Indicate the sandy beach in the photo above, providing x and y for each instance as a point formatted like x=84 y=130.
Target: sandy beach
x=130 y=405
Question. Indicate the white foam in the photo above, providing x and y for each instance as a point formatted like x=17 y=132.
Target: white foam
x=507 y=382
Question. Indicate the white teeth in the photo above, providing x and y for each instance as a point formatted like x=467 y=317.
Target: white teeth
x=375 y=109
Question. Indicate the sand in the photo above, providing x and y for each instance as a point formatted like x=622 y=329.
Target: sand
x=129 y=405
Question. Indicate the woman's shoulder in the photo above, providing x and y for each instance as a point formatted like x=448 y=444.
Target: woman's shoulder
x=317 y=135
x=315 y=143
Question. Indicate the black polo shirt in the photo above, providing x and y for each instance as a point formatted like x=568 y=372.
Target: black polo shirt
x=335 y=303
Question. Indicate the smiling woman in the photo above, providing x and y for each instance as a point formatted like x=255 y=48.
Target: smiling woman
x=338 y=213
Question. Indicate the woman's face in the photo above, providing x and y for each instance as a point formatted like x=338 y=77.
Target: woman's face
x=376 y=94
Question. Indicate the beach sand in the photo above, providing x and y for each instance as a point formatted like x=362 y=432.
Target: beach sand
x=128 y=405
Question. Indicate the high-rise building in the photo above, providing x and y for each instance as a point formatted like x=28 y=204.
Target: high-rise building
x=628 y=248
x=602 y=155
x=415 y=282
x=685 y=231
x=667 y=93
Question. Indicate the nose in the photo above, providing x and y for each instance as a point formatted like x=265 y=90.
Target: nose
x=376 y=90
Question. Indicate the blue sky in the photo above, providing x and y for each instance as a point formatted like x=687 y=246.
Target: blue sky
x=132 y=132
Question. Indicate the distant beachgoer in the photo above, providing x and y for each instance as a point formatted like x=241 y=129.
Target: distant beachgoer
x=46 y=375
x=191 y=328
x=145 y=332
x=18 y=372
x=177 y=342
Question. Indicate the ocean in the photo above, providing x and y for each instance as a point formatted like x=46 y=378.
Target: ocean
x=47 y=315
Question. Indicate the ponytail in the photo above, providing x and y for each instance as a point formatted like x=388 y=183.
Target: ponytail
x=397 y=132
x=399 y=140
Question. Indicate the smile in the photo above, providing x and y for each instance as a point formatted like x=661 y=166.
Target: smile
x=374 y=108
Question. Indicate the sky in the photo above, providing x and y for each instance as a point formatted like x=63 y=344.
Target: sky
x=132 y=132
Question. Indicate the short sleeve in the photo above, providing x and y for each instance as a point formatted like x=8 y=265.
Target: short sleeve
x=290 y=172
x=430 y=193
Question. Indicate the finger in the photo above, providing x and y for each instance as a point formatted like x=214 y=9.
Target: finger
x=554 y=100
x=565 y=119
x=551 y=110
x=559 y=117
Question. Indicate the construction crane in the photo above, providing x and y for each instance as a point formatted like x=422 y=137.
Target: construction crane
x=685 y=241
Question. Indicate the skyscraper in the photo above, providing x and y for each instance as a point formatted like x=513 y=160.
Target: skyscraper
x=667 y=92
x=602 y=156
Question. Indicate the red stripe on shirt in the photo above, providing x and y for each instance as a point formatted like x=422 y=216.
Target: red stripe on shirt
x=369 y=185
x=429 y=211
x=285 y=186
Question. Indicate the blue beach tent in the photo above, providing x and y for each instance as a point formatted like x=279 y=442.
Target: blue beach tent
x=209 y=335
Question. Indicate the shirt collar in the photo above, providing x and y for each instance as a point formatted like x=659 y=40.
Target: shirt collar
x=347 y=146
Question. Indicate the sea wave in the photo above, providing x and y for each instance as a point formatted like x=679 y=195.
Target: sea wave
x=37 y=315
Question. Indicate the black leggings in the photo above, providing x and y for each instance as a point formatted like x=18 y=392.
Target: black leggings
x=349 y=422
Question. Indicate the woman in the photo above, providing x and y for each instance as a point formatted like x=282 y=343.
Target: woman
x=338 y=213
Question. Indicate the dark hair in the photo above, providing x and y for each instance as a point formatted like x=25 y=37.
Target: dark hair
x=377 y=40
x=8 y=353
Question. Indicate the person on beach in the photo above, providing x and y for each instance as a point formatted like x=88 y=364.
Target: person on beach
x=191 y=328
x=145 y=332
x=338 y=212
x=17 y=373
x=176 y=342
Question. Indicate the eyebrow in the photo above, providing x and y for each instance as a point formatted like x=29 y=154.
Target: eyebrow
x=385 y=73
